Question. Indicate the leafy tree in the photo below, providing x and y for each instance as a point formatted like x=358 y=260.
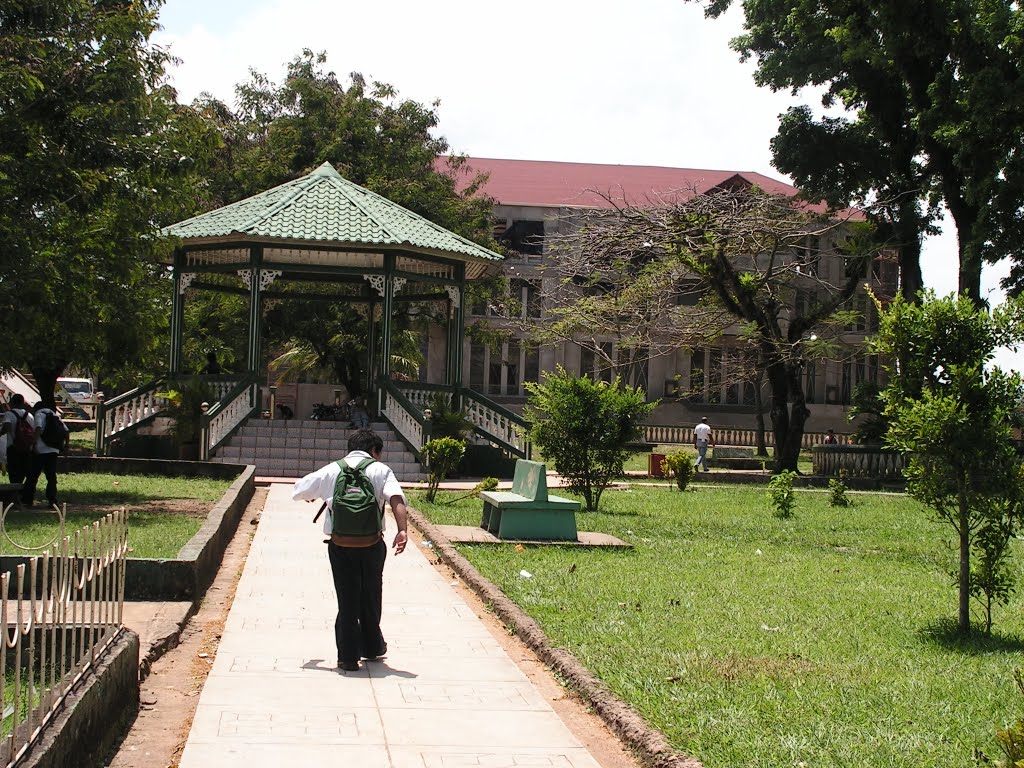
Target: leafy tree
x=677 y=276
x=930 y=119
x=952 y=416
x=94 y=155
x=585 y=427
x=374 y=138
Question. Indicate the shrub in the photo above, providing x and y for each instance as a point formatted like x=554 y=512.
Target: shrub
x=679 y=465
x=584 y=428
x=781 y=493
x=1011 y=738
x=441 y=456
x=837 y=493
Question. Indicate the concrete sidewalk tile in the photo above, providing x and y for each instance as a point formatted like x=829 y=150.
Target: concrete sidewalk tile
x=475 y=728
x=203 y=755
x=441 y=669
x=327 y=690
x=272 y=725
x=490 y=757
x=392 y=693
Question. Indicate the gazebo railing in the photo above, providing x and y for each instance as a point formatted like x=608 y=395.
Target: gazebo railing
x=226 y=416
x=404 y=415
x=498 y=425
x=126 y=413
x=858 y=461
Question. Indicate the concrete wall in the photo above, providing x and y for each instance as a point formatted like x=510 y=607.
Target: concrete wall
x=84 y=730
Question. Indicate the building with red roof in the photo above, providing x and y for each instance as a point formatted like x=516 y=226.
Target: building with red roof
x=533 y=197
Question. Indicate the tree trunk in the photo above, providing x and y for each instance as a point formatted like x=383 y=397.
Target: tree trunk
x=46 y=382
x=762 y=446
x=964 y=623
x=788 y=419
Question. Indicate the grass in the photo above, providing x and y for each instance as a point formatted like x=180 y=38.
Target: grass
x=823 y=640
x=164 y=513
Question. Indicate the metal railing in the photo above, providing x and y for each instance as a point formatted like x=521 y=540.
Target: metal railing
x=59 y=612
x=224 y=417
x=126 y=413
x=675 y=435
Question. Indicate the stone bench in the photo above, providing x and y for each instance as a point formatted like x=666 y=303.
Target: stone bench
x=528 y=511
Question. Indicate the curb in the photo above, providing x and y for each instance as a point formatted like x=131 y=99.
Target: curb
x=650 y=744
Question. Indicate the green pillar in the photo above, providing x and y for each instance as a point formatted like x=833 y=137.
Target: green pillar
x=370 y=380
x=456 y=332
x=385 y=320
x=177 y=312
x=255 y=308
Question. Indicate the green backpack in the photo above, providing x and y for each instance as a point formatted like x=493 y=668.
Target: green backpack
x=354 y=508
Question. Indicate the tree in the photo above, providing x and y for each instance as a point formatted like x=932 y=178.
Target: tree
x=95 y=155
x=281 y=131
x=584 y=428
x=926 y=86
x=677 y=275
x=952 y=415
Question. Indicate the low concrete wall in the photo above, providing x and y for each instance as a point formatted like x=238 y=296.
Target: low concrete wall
x=83 y=731
x=187 y=576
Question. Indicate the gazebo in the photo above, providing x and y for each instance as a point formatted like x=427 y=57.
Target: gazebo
x=320 y=228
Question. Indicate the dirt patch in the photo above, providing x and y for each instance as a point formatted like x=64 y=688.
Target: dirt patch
x=189 y=507
x=170 y=693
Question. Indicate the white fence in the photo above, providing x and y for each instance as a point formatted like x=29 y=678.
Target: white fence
x=671 y=435
x=60 y=611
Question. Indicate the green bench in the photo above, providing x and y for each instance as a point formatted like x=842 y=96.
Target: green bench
x=528 y=511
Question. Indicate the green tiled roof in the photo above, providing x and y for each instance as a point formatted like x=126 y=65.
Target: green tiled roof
x=323 y=207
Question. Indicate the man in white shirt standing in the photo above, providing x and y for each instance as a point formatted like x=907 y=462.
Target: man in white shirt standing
x=44 y=460
x=357 y=562
x=701 y=440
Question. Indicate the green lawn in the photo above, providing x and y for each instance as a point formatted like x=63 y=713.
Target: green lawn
x=163 y=512
x=823 y=640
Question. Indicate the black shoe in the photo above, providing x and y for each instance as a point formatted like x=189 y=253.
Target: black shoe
x=378 y=656
x=348 y=666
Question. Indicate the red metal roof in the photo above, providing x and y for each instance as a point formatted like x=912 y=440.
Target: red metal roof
x=547 y=183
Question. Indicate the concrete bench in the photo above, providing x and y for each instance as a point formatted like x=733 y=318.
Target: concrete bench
x=528 y=511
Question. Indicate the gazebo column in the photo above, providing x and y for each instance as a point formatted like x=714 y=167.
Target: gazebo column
x=182 y=280
x=456 y=333
x=256 y=280
x=370 y=379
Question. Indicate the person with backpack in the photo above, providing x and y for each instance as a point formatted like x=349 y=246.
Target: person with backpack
x=19 y=429
x=354 y=490
x=51 y=439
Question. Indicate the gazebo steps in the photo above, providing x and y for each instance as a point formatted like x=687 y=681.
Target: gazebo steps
x=292 y=448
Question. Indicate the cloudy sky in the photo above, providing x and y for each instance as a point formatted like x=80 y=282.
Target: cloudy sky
x=648 y=83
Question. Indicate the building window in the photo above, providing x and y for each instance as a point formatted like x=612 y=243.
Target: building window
x=527 y=294
x=524 y=237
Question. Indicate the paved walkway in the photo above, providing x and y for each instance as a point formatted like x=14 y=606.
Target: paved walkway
x=447 y=695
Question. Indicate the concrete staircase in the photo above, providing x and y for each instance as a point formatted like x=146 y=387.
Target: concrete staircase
x=293 y=448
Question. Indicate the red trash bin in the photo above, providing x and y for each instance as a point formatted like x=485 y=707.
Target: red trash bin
x=654 y=465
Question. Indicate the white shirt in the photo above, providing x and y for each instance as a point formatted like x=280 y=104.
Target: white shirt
x=41 y=416
x=12 y=421
x=702 y=432
x=320 y=484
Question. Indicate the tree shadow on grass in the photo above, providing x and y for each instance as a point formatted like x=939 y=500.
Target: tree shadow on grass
x=946 y=634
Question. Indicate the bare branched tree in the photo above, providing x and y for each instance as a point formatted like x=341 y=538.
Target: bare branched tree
x=682 y=273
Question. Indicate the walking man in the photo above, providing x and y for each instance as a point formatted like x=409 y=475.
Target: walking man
x=51 y=440
x=701 y=440
x=357 y=561
x=19 y=430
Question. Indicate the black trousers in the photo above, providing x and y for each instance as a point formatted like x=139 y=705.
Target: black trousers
x=19 y=465
x=42 y=464
x=359 y=583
